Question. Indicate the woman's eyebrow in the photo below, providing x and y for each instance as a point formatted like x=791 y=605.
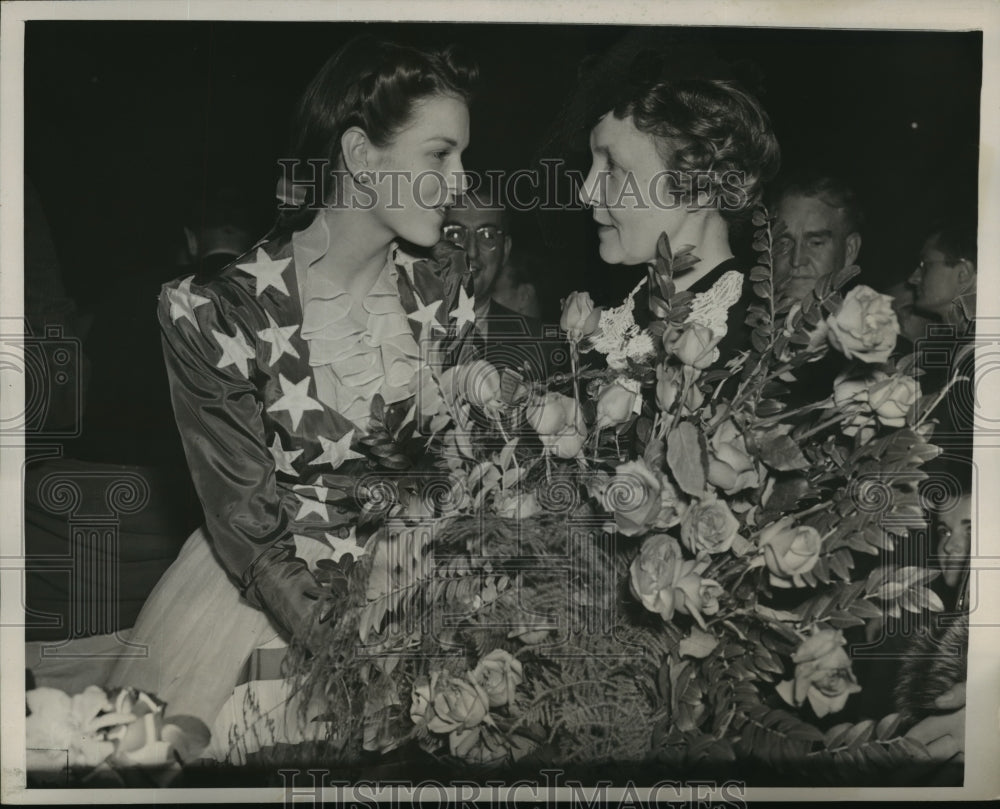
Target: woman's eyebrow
x=449 y=141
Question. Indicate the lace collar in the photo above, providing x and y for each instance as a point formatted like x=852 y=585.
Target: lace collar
x=355 y=349
x=621 y=338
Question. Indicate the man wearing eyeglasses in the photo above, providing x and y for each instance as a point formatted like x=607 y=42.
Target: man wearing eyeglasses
x=481 y=228
x=944 y=281
x=509 y=329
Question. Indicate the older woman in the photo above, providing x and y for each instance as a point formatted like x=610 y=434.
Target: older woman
x=687 y=158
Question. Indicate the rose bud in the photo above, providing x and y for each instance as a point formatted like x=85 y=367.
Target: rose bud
x=790 y=551
x=892 y=399
x=499 y=673
x=822 y=674
x=694 y=345
x=616 y=404
x=866 y=326
x=579 y=318
x=633 y=496
x=709 y=527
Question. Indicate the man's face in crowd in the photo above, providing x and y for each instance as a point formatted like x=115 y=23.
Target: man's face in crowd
x=478 y=229
x=937 y=282
x=953 y=540
x=817 y=240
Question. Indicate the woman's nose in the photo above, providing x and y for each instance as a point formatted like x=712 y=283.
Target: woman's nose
x=915 y=276
x=457 y=180
x=588 y=191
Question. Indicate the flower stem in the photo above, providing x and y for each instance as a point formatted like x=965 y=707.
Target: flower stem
x=939 y=399
x=827 y=423
x=685 y=387
x=765 y=422
x=574 y=359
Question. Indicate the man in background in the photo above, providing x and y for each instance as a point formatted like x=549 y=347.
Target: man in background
x=819 y=231
x=480 y=225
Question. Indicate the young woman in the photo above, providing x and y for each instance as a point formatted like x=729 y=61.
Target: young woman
x=686 y=157
x=274 y=362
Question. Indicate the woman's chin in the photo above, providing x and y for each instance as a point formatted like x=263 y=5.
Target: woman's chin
x=422 y=238
x=611 y=253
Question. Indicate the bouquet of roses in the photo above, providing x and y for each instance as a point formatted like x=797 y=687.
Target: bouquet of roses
x=653 y=557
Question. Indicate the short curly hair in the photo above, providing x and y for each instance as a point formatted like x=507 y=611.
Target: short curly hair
x=711 y=125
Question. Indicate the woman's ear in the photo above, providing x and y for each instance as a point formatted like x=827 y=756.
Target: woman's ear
x=355 y=150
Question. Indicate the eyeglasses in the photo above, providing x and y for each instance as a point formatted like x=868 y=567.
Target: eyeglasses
x=925 y=263
x=487 y=236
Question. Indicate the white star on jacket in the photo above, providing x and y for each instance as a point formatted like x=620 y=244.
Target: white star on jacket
x=235 y=351
x=278 y=336
x=295 y=399
x=283 y=457
x=336 y=452
x=183 y=302
x=465 y=311
x=425 y=315
x=342 y=546
x=267 y=273
x=315 y=504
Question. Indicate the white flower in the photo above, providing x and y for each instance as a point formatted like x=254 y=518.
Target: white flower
x=639 y=346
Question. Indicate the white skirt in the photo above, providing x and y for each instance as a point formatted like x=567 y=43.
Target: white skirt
x=199 y=634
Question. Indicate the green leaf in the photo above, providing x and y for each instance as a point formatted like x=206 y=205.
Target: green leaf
x=841 y=277
x=758 y=340
x=396 y=461
x=865 y=609
x=841 y=563
x=512 y=476
x=859 y=734
x=931 y=600
x=887 y=727
x=686 y=458
x=835 y=735
x=477 y=474
x=378 y=407
x=654 y=454
x=780 y=451
x=766 y=661
x=507 y=453
x=786 y=494
x=769 y=407
x=699 y=644
x=663 y=248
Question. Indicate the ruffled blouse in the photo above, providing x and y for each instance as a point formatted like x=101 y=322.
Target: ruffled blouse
x=355 y=351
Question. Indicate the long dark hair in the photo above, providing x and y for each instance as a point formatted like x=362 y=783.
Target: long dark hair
x=372 y=84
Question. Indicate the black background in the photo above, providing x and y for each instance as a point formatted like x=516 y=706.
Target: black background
x=128 y=125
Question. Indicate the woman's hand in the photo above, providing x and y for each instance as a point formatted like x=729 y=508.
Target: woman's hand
x=944 y=734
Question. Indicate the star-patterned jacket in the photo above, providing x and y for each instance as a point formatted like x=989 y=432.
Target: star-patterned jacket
x=269 y=455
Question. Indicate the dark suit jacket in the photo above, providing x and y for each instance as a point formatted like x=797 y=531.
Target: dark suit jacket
x=513 y=341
